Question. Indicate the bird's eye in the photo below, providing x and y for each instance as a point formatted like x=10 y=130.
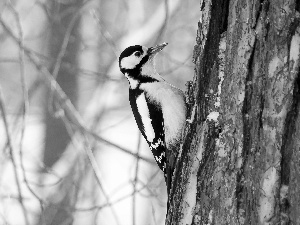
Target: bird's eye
x=137 y=54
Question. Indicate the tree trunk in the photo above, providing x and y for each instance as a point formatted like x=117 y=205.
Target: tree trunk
x=63 y=49
x=240 y=159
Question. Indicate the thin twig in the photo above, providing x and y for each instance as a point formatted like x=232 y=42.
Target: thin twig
x=99 y=138
x=153 y=214
x=138 y=191
x=25 y=106
x=135 y=181
x=13 y=160
x=106 y=34
x=62 y=52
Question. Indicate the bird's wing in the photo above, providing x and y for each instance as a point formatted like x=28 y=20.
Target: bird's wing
x=143 y=110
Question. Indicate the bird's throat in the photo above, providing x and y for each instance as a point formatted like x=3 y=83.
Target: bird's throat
x=149 y=68
x=132 y=82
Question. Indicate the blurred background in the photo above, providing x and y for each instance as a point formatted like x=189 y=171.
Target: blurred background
x=70 y=151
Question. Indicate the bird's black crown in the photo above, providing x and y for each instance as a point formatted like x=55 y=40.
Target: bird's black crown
x=131 y=49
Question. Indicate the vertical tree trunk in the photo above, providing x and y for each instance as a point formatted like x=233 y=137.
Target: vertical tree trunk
x=240 y=159
x=63 y=50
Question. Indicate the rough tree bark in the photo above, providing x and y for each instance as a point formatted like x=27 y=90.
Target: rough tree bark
x=240 y=159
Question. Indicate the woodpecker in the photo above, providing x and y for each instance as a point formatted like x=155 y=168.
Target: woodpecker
x=158 y=107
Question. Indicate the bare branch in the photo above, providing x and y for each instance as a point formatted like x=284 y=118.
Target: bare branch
x=13 y=160
x=134 y=183
x=106 y=34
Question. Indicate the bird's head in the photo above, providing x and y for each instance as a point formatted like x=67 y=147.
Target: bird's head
x=138 y=60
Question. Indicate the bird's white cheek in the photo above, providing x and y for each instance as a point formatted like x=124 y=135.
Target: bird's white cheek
x=144 y=112
x=130 y=62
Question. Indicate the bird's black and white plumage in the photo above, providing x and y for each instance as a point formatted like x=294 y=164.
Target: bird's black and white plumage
x=158 y=107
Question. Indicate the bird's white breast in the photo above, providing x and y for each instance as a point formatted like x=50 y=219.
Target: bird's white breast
x=172 y=103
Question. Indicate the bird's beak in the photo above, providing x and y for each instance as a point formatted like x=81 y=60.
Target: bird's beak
x=154 y=50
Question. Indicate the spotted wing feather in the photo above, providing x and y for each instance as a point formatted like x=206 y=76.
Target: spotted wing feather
x=156 y=142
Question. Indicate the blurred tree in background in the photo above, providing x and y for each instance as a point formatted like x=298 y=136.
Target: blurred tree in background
x=71 y=152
